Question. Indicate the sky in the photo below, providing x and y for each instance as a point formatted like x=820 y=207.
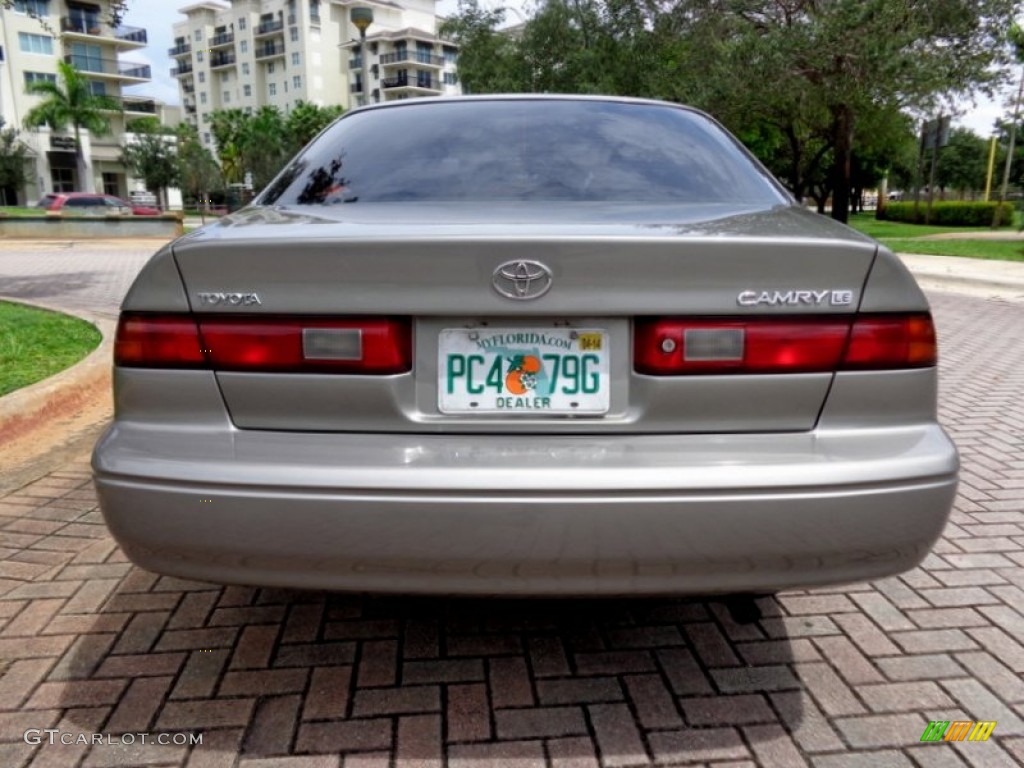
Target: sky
x=157 y=16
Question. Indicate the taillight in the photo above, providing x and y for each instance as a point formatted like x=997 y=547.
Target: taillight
x=681 y=346
x=892 y=341
x=266 y=344
x=158 y=341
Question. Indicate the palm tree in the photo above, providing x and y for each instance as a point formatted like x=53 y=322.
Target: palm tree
x=73 y=103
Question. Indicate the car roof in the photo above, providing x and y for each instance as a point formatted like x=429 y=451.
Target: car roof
x=407 y=103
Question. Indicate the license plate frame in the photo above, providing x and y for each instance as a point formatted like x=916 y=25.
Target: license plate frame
x=517 y=371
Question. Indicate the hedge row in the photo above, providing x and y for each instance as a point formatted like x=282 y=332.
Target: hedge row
x=949 y=213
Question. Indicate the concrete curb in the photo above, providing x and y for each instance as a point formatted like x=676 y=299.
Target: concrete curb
x=64 y=393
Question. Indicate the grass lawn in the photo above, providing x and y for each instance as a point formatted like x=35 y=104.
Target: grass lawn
x=1001 y=250
x=35 y=344
x=14 y=210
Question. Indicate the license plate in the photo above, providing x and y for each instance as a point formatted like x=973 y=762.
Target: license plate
x=516 y=371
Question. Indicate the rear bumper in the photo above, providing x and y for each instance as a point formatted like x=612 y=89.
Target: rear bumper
x=526 y=515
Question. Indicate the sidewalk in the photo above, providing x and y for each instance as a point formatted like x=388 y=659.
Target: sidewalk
x=976 y=277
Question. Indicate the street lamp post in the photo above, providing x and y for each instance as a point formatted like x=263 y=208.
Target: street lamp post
x=363 y=17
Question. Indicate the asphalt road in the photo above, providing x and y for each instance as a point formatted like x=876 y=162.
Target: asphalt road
x=835 y=678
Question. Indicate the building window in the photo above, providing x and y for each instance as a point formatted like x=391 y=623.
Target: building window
x=206 y=117
x=295 y=59
x=450 y=78
x=248 y=110
x=97 y=88
x=450 y=55
x=199 y=35
x=202 y=97
x=225 y=76
x=202 y=77
x=273 y=89
x=32 y=7
x=63 y=179
x=247 y=90
x=294 y=34
x=270 y=67
x=297 y=81
x=241 y=24
x=199 y=56
x=227 y=97
x=30 y=43
x=110 y=184
x=39 y=77
x=245 y=67
x=206 y=138
x=243 y=46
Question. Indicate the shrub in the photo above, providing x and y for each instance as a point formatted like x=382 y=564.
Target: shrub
x=949 y=213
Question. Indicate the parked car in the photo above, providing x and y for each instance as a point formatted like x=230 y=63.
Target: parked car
x=526 y=345
x=86 y=201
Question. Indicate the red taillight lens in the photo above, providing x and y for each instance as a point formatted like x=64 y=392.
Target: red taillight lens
x=681 y=346
x=669 y=347
x=378 y=346
x=892 y=341
x=158 y=341
x=267 y=344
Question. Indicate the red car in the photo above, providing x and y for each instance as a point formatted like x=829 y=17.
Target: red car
x=75 y=201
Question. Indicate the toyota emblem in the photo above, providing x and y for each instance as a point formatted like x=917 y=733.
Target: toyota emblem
x=522 y=279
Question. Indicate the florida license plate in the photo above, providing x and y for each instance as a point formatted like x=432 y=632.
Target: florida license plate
x=516 y=371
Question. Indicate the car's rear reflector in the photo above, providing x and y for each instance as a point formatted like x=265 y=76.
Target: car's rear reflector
x=266 y=343
x=681 y=346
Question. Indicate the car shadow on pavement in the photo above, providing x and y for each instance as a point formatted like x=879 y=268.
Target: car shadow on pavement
x=271 y=672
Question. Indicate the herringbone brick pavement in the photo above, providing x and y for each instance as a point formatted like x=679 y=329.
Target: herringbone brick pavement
x=831 y=678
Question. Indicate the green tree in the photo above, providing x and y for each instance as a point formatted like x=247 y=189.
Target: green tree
x=831 y=63
x=199 y=173
x=489 y=60
x=264 y=145
x=305 y=121
x=962 y=164
x=13 y=155
x=227 y=127
x=153 y=157
x=71 y=102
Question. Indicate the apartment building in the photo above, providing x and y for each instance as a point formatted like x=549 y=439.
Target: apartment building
x=256 y=52
x=34 y=36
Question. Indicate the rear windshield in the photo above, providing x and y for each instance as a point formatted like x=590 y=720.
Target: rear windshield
x=522 y=150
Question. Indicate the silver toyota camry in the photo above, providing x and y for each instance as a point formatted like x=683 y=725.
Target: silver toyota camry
x=526 y=345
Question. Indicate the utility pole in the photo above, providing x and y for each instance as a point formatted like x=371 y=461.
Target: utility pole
x=996 y=219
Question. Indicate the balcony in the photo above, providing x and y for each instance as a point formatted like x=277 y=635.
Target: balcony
x=223 y=59
x=415 y=57
x=222 y=40
x=181 y=49
x=356 y=63
x=270 y=51
x=189 y=88
x=132 y=36
x=190 y=109
x=269 y=28
x=139 y=106
x=403 y=81
x=184 y=68
x=75 y=26
x=118 y=70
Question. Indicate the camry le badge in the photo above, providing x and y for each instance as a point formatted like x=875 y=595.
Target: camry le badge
x=522 y=279
x=794 y=298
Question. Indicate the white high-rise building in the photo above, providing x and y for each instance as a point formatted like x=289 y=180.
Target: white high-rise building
x=34 y=36
x=256 y=52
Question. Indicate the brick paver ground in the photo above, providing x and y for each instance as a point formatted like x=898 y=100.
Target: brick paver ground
x=832 y=678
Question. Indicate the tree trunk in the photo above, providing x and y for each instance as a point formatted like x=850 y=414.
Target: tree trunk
x=85 y=180
x=841 y=172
